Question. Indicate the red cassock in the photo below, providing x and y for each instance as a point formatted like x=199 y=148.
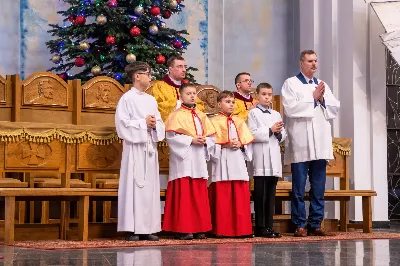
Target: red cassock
x=187 y=208
x=230 y=208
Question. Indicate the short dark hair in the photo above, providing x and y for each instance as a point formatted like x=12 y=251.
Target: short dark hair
x=263 y=85
x=186 y=85
x=238 y=76
x=135 y=67
x=224 y=94
x=308 y=52
x=171 y=60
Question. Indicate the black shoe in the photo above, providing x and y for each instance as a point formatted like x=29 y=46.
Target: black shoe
x=267 y=232
x=276 y=234
x=199 y=236
x=182 y=236
x=259 y=232
x=131 y=237
x=149 y=237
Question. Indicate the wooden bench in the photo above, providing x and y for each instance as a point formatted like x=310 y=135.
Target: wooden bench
x=11 y=195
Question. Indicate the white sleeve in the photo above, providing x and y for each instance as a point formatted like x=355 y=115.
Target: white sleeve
x=295 y=107
x=179 y=144
x=248 y=152
x=210 y=146
x=130 y=130
x=260 y=134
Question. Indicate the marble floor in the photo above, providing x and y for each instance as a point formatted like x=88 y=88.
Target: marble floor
x=367 y=252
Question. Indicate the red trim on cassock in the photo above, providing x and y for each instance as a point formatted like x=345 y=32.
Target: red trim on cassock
x=230 y=208
x=187 y=208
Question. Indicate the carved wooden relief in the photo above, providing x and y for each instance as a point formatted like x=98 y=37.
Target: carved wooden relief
x=102 y=93
x=45 y=89
x=99 y=157
x=208 y=94
x=3 y=90
x=36 y=155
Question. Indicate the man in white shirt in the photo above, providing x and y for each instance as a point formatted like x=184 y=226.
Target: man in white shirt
x=309 y=105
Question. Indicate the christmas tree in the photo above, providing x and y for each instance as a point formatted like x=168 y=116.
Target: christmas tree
x=100 y=37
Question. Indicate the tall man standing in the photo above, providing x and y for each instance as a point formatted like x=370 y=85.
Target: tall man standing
x=309 y=105
x=166 y=91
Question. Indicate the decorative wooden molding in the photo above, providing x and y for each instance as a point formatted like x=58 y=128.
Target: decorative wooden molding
x=98 y=157
x=44 y=89
x=102 y=93
x=3 y=91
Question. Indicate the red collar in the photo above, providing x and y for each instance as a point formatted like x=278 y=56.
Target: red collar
x=223 y=114
x=240 y=97
x=168 y=80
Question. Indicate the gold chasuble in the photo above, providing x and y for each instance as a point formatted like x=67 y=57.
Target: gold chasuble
x=182 y=122
x=221 y=125
x=166 y=93
x=242 y=105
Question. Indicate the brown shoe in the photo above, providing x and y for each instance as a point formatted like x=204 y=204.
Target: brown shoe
x=317 y=232
x=300 y=232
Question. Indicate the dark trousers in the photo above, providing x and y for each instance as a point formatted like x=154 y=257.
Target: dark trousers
x=316 y=170
x=264 y=200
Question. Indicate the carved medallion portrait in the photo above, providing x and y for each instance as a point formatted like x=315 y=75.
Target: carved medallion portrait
x=208 y=94
x=45 y=89
x=101 y=93
x=32 y=154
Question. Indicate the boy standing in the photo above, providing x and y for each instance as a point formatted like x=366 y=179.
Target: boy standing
x=139 y=124
x=229 y=191
x=190 y=137
x=267 y=127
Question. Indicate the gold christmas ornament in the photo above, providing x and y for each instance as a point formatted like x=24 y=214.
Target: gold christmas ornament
x=84 y=46
x=139 y=10
x=96 y=70
x=173 y=4
x=153 y=29
x=163 y=25
x=130 y=58
x=101 y=19
x=56 y=59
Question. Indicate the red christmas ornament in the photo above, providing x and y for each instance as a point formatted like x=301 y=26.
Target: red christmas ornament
x=155 y=11
x=177 y=44
x=160 y=59
x=71 y=18
x=79 y=62
x=112 y=3
x=185 y=81
x=178 y=1
x=63 y=76
x=110 y=40
x=167 y=14
x=135 y=31
x=80 y=20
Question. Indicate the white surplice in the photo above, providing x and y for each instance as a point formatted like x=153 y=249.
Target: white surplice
x=308 y=127
x=139 y=206
x=267 y=159
x=187 y=159
x=229 y=164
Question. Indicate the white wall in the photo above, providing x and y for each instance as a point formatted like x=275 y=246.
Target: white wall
x=10 y=37
x=257 y=36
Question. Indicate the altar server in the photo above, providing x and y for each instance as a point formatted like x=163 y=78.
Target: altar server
x=229 y=191
x=190 y=137
x=309 y=105
x=139 y=124
x=267 y=127
x=244 y=102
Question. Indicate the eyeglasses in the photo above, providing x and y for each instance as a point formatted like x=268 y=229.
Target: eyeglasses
x=145 y=73
x=247 y=81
